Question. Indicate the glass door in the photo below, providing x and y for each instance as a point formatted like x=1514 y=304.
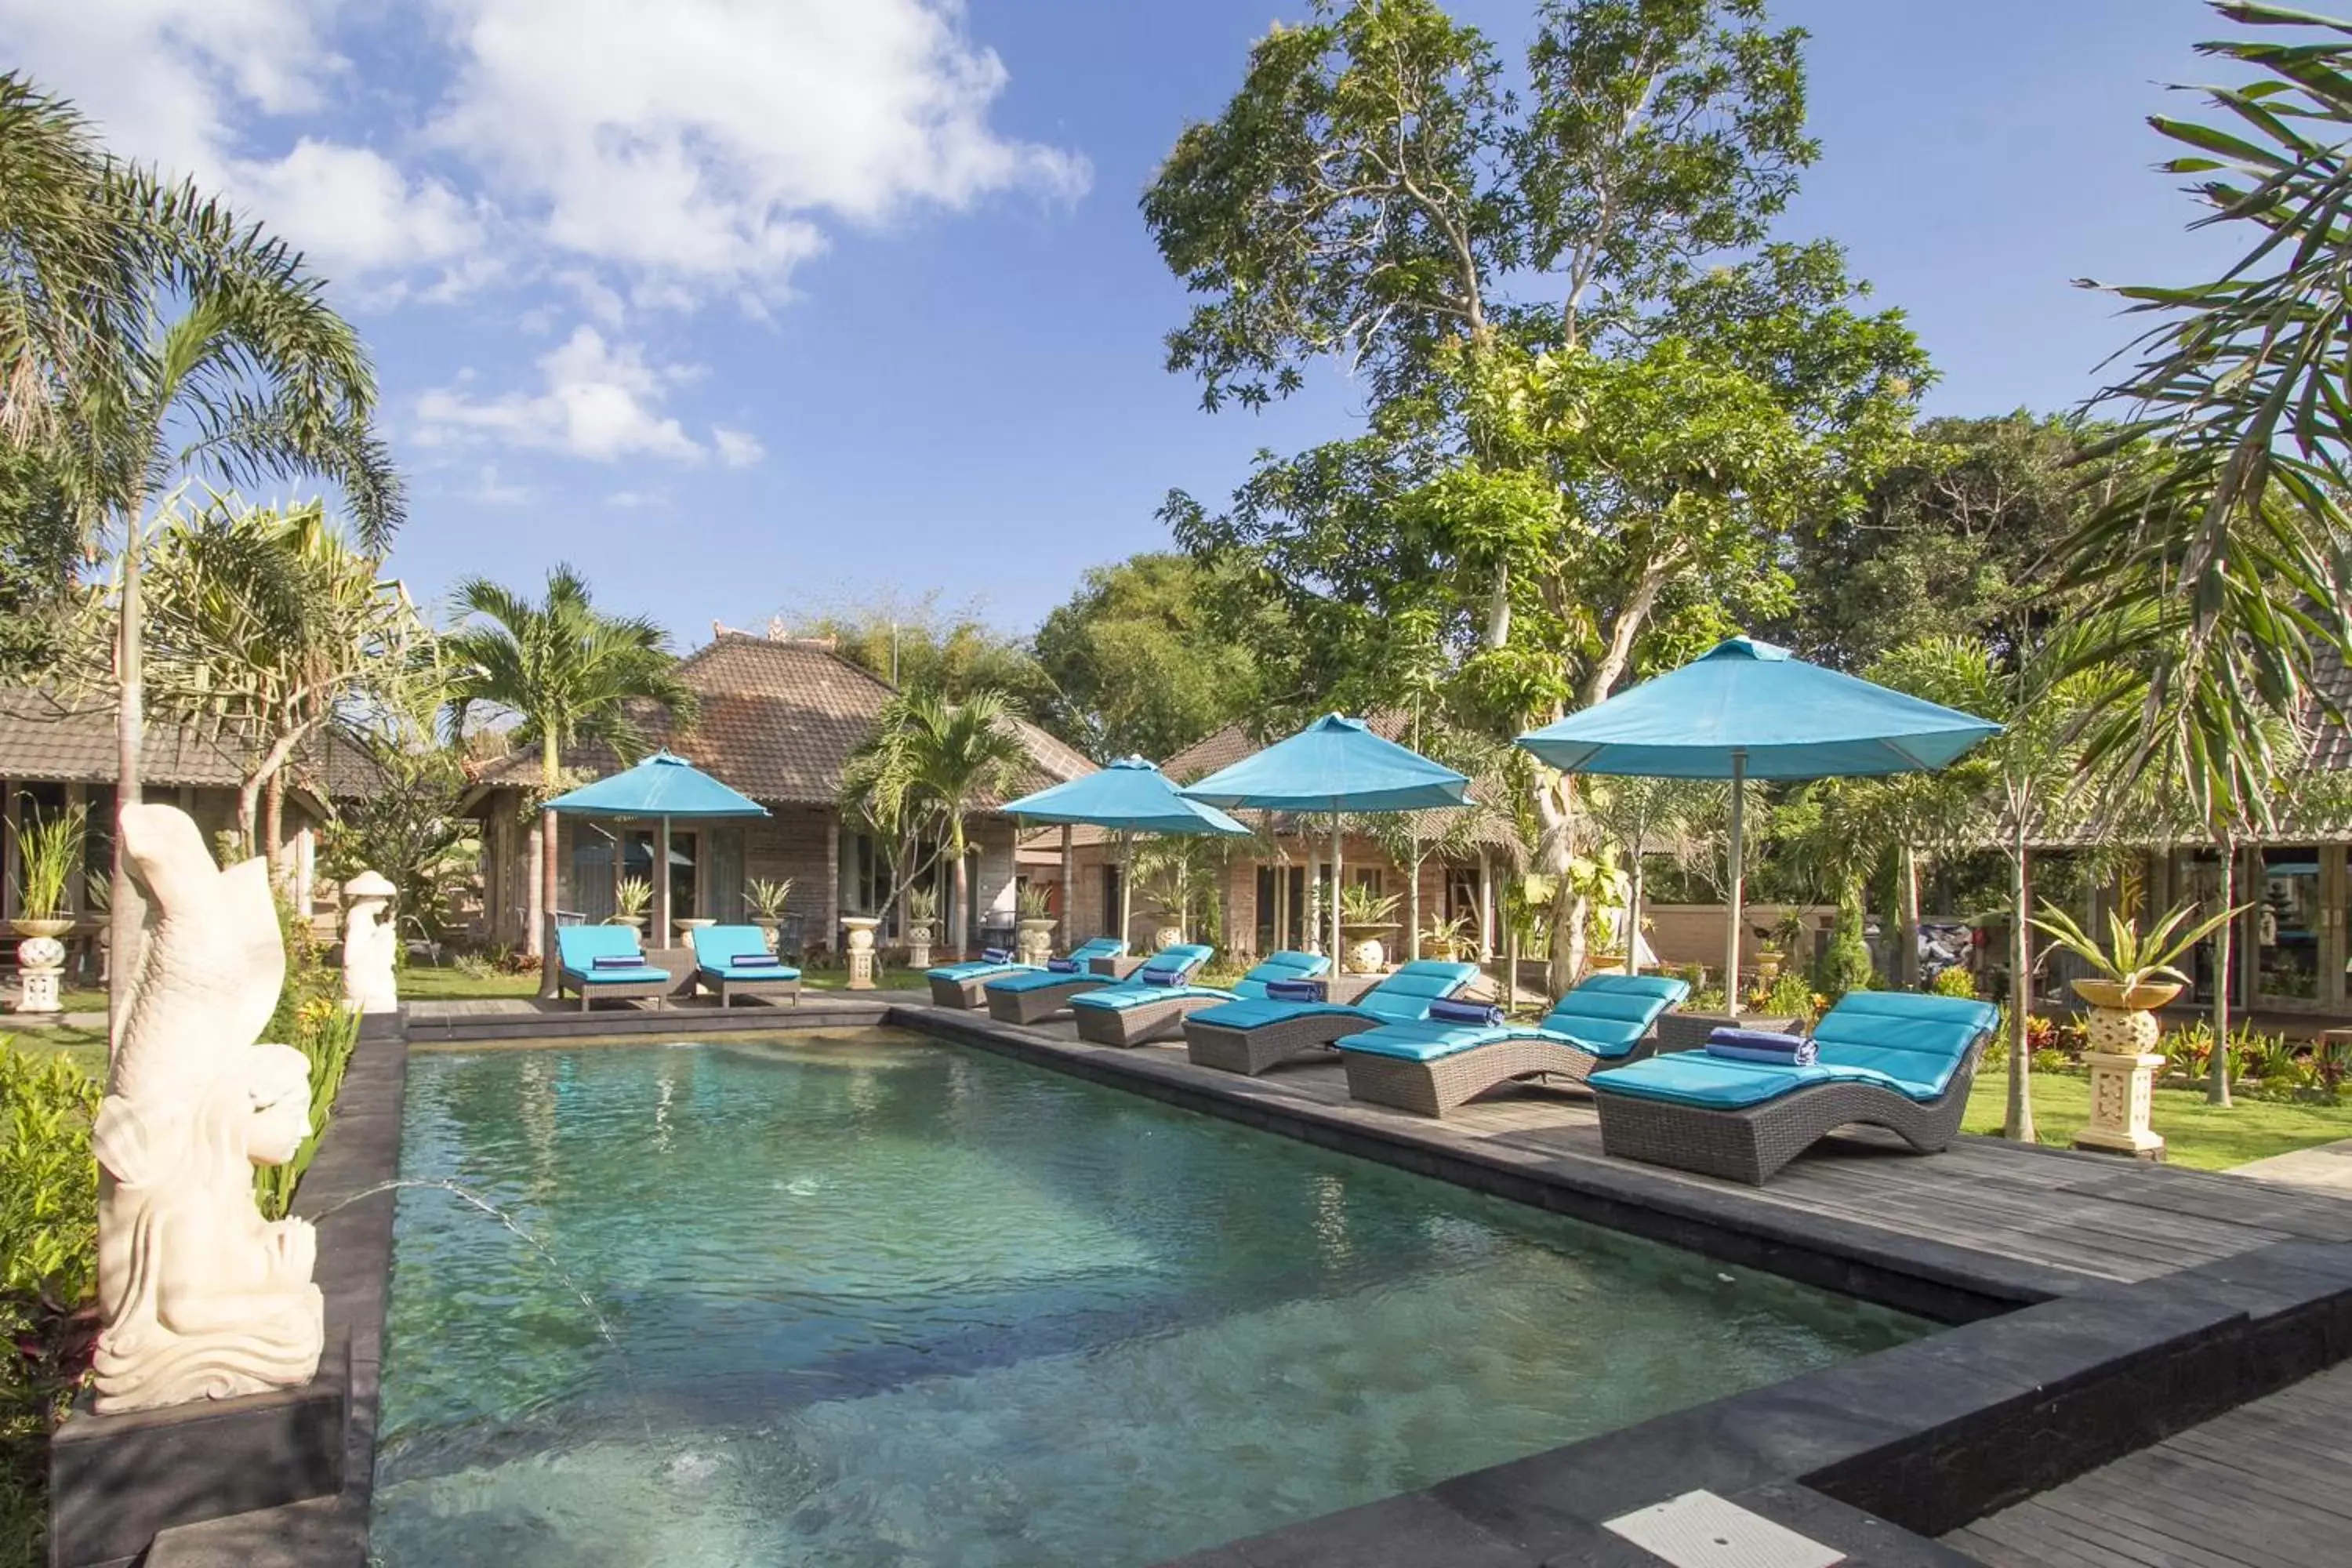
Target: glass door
x=2286 y=928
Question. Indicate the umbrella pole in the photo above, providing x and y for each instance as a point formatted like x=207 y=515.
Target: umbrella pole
x=1338 y=953
x=1126 y=885
x=1731 y=936
x=661 y=887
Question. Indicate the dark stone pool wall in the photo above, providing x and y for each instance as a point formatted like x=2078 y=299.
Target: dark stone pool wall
x=2041 y=1379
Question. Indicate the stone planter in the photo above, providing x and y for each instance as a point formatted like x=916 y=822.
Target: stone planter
x=688 y=926
x=40 y=964
x=1366 y=955
x=1166 y=937
x=1768 y=967
x=767 y=932
x=1035 y=944
x=2124 y=1062
x=919 y=946
x=859 y=944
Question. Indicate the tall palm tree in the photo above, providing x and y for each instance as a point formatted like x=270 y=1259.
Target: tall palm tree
x=148 y=336
x=570 y=673
x=932 y=763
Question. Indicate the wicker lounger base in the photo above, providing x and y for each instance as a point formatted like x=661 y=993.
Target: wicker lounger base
x=1751 y=1146
x=968 y=994
x=1251 y=1051
x=1160 y=1020
x=1033 y=1004
x=618 y=991
x=1434 y=1087
x=729 y=990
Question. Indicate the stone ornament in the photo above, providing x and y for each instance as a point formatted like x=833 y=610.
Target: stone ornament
x=199 y=1297
x=370 y=943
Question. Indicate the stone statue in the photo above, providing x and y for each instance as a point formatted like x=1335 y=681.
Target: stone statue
x=369 y=939
x=199 y=1297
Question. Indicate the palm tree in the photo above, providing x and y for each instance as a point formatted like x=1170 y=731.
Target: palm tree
x=570 y=673
x=932 y=763
x=150 y=336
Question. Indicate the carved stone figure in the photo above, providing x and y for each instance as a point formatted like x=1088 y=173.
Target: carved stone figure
x=368 y=940
x=199 y=1296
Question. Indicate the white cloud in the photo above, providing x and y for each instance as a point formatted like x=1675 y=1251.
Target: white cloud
x=597 y=400
x=638 y=500
x=490 y=490
x=669 y=155
x=736 y=449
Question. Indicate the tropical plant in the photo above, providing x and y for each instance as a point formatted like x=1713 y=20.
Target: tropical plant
x=48 y=853
x=148 y=336
x=2130 y=957
x=768 y=897
x=572 y=675
x=412 y=827
x=1954 y=981
x=326 y=1033
x=926 y=768
x=631 y=896
x=1034 y=902
x=922 y=907
x=1846 y=959
x=1791 y=996
x=1447 y=938
x=1361 y=904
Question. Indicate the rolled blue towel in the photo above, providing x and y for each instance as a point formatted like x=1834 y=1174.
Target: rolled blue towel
x=756 y=960
x=1466 y=1013
x=996 y=955
x=1295 y=990
x=1757 y=1040
x=1062 y=965
x=618 y=961
x=1765 y=1046
x=1162 y=974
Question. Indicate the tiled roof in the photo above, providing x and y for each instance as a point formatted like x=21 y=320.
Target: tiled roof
x=779 y=718
x=44 y=737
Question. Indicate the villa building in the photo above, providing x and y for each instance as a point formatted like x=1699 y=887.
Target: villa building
x=779 y=720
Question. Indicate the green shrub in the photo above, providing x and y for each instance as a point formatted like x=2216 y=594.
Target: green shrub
x=1955 y=981
x=48 y=1267
x=1845 y=961
x=311 y=1018
x=1791 y=996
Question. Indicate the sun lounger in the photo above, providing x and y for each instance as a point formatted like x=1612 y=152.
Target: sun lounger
x=966 y=985
x=1030 y=998
x=1895 y=1059
x=1251 y=1037
x=607 y=963
x=734 y=960
x=1130 y=1015
x=1433 y=1066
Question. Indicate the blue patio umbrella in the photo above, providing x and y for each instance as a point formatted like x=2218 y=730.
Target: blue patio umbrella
x=662 y=787
x=1747 y=710
x=1131 y=795
x=1334 y=765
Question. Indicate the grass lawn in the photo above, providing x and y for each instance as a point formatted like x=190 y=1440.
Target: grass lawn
x=84 y=1048
x=2199 y=1136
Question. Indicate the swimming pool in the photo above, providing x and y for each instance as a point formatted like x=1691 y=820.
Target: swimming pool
x=873 y=1301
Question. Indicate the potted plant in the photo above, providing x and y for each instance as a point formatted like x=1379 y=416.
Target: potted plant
x=2136 y=969
x=48 y=853
x=1364 y=916
x=630 y=901
x=922 y=914
x=767 y=901
x=1036 y=923
x=1445 y=940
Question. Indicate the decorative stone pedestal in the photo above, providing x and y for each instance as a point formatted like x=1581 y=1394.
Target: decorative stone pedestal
x=860 y=947
x=919 y=947
x=40 y=965
x=2120 y=1083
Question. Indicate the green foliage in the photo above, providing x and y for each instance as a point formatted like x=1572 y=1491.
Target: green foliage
x=1953 y=981
x=768 y=897
x=1362 y=904
x=1146 y=658
x=1791 y=996
x=325 y=1032
x=48 y=854
x=920 y=646
x=411 y=828
x=1034 y=903
x=632 y=896
x=48 y=1268
x=40 y=550
x=2129 y=956
x=918 y=779
x=922 y=906
x=1845 y=960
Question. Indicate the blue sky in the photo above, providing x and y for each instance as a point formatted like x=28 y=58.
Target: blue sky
x=752 y=307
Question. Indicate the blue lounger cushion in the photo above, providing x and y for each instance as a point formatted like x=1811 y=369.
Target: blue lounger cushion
x=1249 y=987
x=1900 y=1041
x=739 y=952
x=1605 y=1017
x=605 y=955
x=1085 y=952
x=1183 y=959
x=1401 y=997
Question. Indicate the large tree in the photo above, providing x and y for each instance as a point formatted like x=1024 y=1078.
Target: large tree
x=930 y=765
x=570 y=674
x=1142 y=659
x=922 y=645
x=1601 y=402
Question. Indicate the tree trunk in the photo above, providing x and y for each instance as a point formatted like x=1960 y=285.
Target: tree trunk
x=550 y=768
x=1906 y=919
x=273 y=828
x=1633 y=914
x=127 y=916
x=2217 y=1079
x=534 y=913
x=2019 y=1123
x=1413 y=901
x=958 y=918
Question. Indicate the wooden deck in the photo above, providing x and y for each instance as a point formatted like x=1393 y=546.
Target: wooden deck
x=2260 y=1487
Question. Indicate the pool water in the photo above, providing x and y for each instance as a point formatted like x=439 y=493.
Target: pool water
x=874 y=1300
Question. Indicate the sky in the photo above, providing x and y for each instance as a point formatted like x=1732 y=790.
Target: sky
x=752 y=308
